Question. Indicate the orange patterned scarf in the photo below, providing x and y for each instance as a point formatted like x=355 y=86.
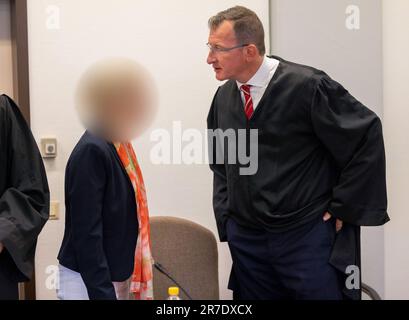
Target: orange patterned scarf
x=142 y=277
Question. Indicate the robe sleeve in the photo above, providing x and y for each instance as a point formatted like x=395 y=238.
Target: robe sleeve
x=24 y=204
x=85 y=195
x=220 y=195
x=353 y=136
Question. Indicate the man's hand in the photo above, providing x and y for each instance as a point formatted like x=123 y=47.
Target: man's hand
x=338 y=223
x=1 y=247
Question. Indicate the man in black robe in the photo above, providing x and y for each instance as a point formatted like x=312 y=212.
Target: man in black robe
x=292 y=213
x=24 y=199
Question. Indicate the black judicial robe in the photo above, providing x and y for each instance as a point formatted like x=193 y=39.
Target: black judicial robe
x=319 y=149
x=24 y=193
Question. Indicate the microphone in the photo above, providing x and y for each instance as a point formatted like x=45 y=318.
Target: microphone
x=162 y=270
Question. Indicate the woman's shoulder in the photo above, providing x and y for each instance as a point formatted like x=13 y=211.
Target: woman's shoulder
x=91 y=146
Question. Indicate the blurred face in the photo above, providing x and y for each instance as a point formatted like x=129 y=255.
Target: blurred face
x=116 y=99
x=125 y=114
x=226 y=64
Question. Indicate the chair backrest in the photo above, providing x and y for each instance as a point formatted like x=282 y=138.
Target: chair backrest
x=189 y=254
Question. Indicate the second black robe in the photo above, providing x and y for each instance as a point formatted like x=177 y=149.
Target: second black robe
x=24 y=193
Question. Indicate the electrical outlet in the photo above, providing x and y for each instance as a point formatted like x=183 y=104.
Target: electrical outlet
x=49 y=147
x=54 y=210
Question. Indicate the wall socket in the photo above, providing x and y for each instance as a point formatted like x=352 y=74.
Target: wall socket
x=49 y=147
x=54 y=210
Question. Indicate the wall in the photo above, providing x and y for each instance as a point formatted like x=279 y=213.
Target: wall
x=396 y=125
x=315 y=32
x=169 y=37
x=6 y=62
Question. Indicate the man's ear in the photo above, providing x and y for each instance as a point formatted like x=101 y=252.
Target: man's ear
x=251 y=52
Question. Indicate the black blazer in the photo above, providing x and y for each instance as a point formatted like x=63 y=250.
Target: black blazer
x=101 y=226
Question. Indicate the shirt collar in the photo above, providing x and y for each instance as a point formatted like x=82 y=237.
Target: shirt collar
x=262 y=77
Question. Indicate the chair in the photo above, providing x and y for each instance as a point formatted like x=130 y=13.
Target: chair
x=188 y=252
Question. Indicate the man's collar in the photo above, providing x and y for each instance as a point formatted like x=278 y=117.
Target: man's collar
x=261 y=77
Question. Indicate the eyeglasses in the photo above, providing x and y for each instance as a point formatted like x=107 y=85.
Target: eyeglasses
x=217 y=49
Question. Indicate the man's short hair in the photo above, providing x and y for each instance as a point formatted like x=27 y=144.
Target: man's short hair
x=247 y=26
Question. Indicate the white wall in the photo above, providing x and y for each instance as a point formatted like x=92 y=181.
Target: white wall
x=169 y=38
x=396 y=126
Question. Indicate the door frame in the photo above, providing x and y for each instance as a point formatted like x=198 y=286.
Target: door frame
x=21 y=89
x=19 y=41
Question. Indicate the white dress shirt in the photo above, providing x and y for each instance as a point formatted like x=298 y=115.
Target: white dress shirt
x=260 y=81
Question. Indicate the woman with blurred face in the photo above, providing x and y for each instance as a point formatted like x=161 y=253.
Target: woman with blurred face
x=106 y=253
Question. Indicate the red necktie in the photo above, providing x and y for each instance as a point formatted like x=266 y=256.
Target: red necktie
x=248 y=108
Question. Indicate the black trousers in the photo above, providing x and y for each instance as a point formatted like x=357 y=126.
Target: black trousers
x=8 y=279
x=284 y=266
